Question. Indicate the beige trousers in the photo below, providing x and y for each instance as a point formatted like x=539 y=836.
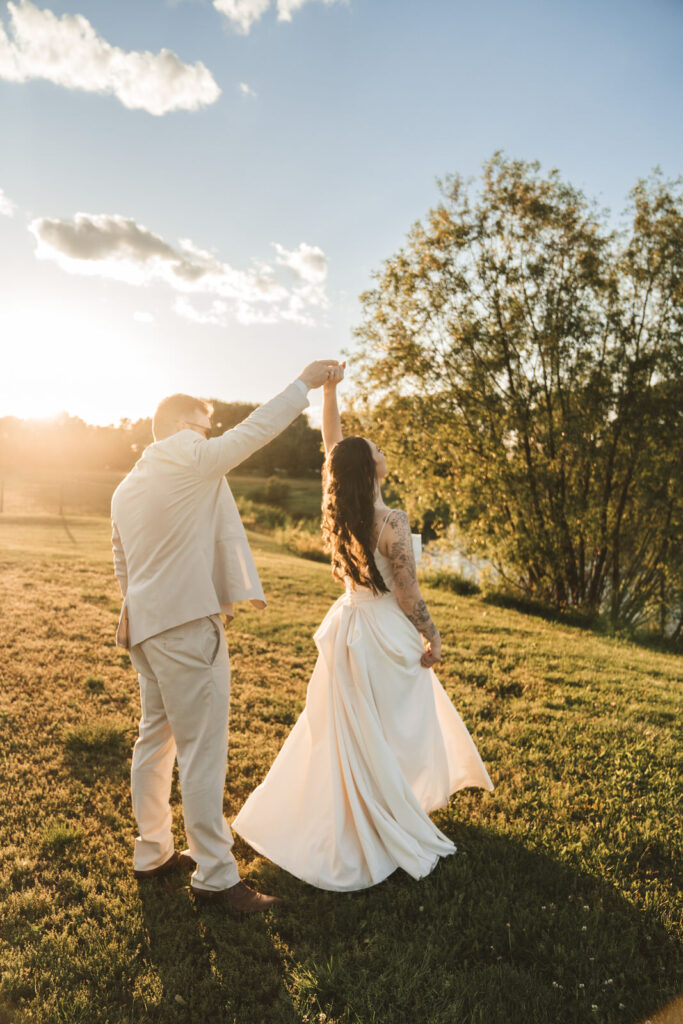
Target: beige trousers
x=184 y=676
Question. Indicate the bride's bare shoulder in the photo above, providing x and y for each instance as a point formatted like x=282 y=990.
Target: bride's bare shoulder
x=394 y=524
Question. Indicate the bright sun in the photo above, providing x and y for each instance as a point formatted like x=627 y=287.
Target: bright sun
x=56 y=360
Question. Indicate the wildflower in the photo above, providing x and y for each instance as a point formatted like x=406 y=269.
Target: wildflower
x=610 y=981
x=584 y=928
x=581 y=985
x=594 y=1007
x=586 y=907
x=543 y=907
x=555 y=985
x=421 y=909
x=322 y=1017
x=622 y=1006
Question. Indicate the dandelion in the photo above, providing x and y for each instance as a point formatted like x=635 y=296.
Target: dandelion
x=610 y=981
x=543 y=907
x=555 y=985
x=586 y=907
x=584 y=928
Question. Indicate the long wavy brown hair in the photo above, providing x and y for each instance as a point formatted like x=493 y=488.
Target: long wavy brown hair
x=349 y=513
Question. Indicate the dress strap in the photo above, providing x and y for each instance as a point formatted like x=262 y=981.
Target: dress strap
x=382 y=527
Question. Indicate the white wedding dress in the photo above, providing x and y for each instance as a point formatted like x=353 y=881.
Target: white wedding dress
x=377 y=747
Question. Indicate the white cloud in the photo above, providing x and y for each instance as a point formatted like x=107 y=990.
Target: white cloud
x=308 y=261
x=119 y=249
x=69 y=52
x=246 y=90
x=243 y=13
x=143 y=317
x=307 y=265
x=218 y=314
x=285 y=8
x=7 y=207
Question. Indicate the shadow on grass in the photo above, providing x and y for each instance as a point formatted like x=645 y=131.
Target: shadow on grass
x=215 y=967
x=593 y=624
x=496 y=934
x=93 y=749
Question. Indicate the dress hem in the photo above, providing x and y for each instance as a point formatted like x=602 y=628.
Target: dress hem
x=347 y=888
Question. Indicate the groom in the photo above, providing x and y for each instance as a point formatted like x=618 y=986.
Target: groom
x=182 y=558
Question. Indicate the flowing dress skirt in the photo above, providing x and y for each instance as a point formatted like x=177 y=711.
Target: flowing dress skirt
x=377 y=747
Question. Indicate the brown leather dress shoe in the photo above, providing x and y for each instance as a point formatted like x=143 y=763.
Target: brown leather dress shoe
x=239 y=897
x=175 y=861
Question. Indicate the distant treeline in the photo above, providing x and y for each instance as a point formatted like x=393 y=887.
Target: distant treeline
x=68 y=443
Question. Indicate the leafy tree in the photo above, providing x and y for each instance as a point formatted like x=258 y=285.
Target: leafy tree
x=294 y=452
x=522 y=364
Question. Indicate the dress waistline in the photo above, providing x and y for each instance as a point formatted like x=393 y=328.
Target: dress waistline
x=363 y=594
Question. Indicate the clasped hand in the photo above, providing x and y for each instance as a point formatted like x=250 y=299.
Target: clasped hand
x=319 y=372
x=431 y=656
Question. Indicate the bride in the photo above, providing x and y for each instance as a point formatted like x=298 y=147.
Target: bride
x=379 y=744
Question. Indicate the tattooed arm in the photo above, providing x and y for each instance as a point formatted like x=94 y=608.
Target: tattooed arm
x=397 y=545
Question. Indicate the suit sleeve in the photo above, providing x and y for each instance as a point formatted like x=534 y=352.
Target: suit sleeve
x=218 y=455
x=120 y=566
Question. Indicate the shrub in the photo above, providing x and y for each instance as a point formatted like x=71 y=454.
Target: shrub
x=302 y=541
x=276 y=492
x=446 y=579
x=257 y=516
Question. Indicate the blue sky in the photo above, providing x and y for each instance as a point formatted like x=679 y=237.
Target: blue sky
x=226 y=240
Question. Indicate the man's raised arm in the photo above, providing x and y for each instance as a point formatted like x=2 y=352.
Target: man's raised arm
x=218 y=455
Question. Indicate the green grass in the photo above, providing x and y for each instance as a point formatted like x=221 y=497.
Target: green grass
x=303 y=499
x=562 y=896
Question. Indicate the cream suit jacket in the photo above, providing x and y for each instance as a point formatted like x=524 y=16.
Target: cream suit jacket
x=180 y=549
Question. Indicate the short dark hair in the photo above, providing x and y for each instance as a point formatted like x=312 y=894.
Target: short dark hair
x=174 y=408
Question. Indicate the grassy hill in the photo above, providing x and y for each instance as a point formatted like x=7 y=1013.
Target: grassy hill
x=559 y=906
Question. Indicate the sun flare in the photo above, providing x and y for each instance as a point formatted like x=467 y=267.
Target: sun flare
x=56 y=360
